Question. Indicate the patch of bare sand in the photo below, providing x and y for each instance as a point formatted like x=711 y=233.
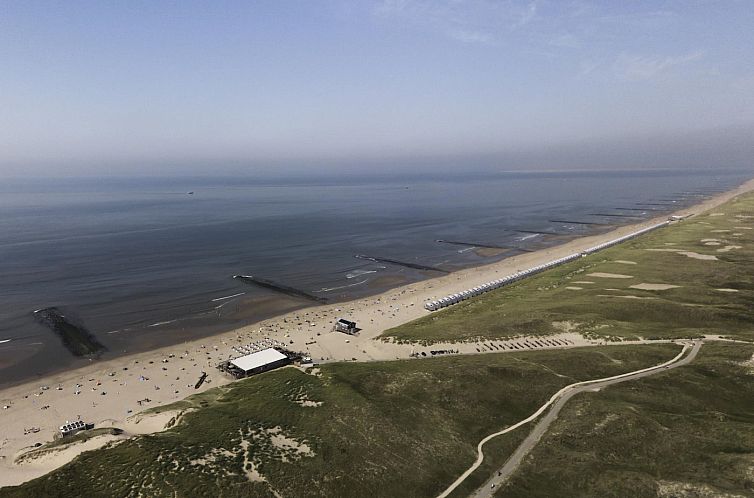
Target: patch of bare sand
x=150 y=422
x=696 y=255
x=743 y=228
x=43 y=461
x=645 y=286
x=303 y=400
x=624 y=262
x=726 y=290
x=717 y=214
x=212 y=456
x=608 y=275
x=749 y=364
x=673 y=489
x=574 y=288
x=728 y=248
x=566 y=326
x=284 y=449
x=582 y=282
x=600 y=426
x=280 y=441
x=688 y=254
x=252 y=473
x=719 y=231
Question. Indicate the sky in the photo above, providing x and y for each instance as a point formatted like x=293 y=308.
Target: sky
x=253 y=87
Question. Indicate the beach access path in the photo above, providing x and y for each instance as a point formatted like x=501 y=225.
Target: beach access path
x=555 y=404
x=110 y=393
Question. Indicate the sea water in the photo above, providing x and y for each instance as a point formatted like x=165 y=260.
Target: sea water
x=148 y=262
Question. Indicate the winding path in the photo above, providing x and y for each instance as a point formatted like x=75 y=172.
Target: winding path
x=557 y=401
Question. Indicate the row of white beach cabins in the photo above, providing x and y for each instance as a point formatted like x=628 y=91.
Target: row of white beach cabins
x=495 y=284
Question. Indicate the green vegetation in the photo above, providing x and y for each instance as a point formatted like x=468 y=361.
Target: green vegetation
x=685 y=433
x=609 y=307
x=402 y=428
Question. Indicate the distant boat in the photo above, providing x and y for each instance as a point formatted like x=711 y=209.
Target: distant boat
x=190 y=193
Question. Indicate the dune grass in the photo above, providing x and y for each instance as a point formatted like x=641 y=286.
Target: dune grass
x=609 y=307
x=688 y=432
x=389 y=429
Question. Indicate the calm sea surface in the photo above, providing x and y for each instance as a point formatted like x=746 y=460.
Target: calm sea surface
x=143 y=263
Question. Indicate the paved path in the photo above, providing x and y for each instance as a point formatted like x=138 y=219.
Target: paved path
x=557 y=401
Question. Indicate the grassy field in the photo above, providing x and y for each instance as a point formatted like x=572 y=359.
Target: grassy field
x=685 y=433
x=571 y=297
x=391 y=429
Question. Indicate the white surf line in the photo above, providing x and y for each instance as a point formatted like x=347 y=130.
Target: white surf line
x=228 y=297
x=3 y=341
x=553 y=399
x=328 y=289
x=157 y=324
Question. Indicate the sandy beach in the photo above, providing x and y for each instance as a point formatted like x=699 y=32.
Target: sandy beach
x=112 y=393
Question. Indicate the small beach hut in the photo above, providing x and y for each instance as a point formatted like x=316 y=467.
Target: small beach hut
x=71 y=428
x=345 y=326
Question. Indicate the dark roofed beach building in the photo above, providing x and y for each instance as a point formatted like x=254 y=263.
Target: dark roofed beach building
x=345 y=326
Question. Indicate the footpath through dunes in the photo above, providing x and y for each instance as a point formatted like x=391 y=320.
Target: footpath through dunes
x=551 y=410
x=387 y=429
x=685 y=433
x=629 y=291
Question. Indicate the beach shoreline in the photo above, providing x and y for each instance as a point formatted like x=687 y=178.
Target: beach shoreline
x=112 y=392
x=159 y=301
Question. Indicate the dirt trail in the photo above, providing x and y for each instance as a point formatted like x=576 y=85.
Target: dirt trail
x=557 y=401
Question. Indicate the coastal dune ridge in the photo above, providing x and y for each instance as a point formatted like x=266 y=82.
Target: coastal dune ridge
x=110 y=393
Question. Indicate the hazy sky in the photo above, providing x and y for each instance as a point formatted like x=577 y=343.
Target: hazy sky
x=225 y=87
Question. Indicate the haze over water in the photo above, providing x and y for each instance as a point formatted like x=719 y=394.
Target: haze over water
x=143 y=263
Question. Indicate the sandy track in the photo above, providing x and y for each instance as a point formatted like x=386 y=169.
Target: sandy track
x=557 y=401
